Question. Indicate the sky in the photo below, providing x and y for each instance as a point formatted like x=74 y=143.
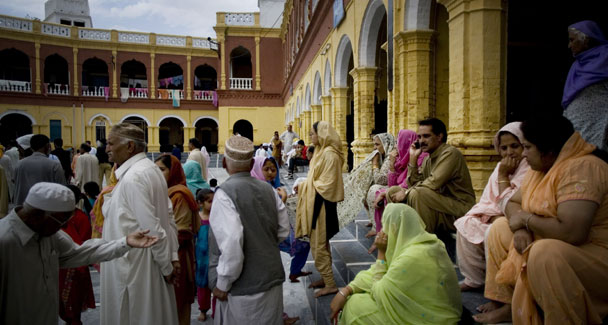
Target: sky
x=175 y=17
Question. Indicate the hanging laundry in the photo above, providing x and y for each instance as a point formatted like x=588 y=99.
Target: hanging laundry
x=176 y=97
x=106 y=92
x=215 y=99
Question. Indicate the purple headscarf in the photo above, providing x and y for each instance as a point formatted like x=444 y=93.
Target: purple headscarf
x=590 y=67
x=256 y=171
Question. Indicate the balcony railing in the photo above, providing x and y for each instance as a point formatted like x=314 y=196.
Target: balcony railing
x=204 y=94
x=94 y=91
x=133 y=92
x=240 y=19
x=168 y=93
x=240 y=83
x=57 y=89
x=16 y=86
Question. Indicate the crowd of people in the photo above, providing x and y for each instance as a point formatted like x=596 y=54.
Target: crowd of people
x=165 y=235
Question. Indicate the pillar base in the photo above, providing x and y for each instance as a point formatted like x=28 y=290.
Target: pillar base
x=361 y=149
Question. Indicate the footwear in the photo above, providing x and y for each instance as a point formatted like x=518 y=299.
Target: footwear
x=290 y=176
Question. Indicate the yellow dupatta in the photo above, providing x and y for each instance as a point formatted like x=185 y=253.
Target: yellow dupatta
x=96 y=214
x=324 y=177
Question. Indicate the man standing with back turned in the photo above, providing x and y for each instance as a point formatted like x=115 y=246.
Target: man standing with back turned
x=248 y=220
x=137 y=288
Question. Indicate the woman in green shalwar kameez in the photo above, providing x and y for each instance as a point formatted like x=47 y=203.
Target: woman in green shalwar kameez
x=412 y=282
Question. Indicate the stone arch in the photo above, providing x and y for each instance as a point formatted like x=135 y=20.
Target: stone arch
x=206 y=117
x=417 y=14
x=61 y=116
x=56 y=70
x=99 y=115
x=172 y=116
x=16 y=65
x=327 y=78
x=343 y=55
x=306 y=99
x=207 y=132
x=317 y=89
x=14 y=111
x=244 y=128
x=136 y=115
x=370 y=27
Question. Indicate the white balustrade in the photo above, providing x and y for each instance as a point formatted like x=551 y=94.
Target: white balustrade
x=57 y=89
x=203 y=44
x=139 y=38
x=93 y=91
x=170 y=40
x=240 y=83
x=95 y=34
x=206 y=95
x=138 y=92
x=15 y=23
x=170 y=91
x=16 y=86
x=239 y=19
x=56 y=30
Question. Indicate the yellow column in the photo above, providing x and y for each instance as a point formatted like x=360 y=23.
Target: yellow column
x=36 y=128
x=340 y=107
x=75 y=74
x=258 y=79
x=220 y=39
x=364 y=84
x=306 y=126
x=400 y=86
x=37 y=83
x=114 y=82
x=188 y=134
x=189 y=76
x=296 y=126
x=316 y=114
x=152 y=81
x=89 y=134
x=326 y=109
x=420 y=90
x=153 y=144
x=477 y=99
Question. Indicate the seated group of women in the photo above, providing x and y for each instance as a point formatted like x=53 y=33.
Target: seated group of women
x=542 y=223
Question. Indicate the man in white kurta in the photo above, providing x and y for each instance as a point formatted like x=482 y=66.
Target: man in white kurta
x=87 y=167
x=197 y=155
x=136 y=288
x=287 y=137
x=261 y=299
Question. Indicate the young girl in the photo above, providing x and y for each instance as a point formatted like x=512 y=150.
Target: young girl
x=204 y=197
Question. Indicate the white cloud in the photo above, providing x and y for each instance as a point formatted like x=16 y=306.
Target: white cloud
x=177 y=17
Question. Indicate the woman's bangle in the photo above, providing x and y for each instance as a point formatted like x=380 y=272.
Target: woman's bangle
x=500 y=182
x=340 y=292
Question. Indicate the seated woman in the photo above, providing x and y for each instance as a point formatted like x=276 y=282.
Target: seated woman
x=412 y=282
x=371 y=173
x=503 y=183
x=551 y=250
x=397 y=175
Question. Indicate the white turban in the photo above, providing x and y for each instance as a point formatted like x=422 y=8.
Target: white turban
x=51 y=197
x=238 y=148
x=24 y=141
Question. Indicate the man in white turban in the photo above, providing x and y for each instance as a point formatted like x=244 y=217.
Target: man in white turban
x=32 y=249
x=248 y=275
x=137 y=288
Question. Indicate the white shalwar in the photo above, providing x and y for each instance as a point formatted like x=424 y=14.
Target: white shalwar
x=87 y=170
x=263 y=307
x=133 y=290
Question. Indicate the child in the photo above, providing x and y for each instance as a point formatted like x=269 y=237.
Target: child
x=213 y=184
x=91 y=189
x=204 y=198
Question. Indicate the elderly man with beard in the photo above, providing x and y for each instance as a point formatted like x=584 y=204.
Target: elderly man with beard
x=137 y=288
x=32 y=249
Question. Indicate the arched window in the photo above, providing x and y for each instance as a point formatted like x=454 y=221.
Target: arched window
x=240 y=69
x=15 y=71
x=170 y=76
x=56 y=75
x=205 y=78
x=95 y=78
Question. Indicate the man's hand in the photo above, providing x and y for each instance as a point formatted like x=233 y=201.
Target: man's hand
x=398 y=196
x=521 y=240
x=172 y=278
x=414 y=154
x=221 y=295
x=139 y=239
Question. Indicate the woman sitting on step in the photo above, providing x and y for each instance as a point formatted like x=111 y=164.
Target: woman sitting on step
x=412 y=282
x=365 y=180
x=503 y=183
